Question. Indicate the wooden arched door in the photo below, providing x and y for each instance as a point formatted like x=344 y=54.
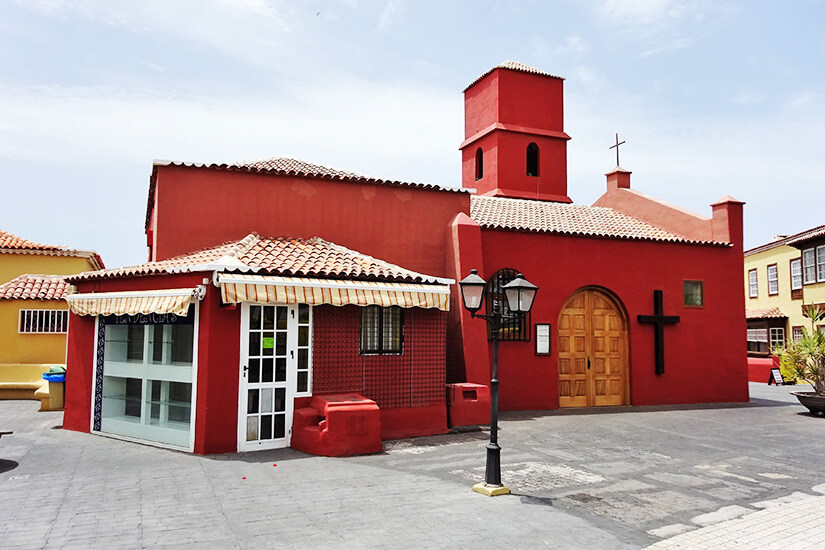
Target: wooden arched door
x=592 y=351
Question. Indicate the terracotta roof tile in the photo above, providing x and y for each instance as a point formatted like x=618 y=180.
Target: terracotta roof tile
x=514 y=66
x=35 y=287
x=567 y=219
x=7 y=240
x=12 y=244
x=808 y=234
x=313 y=257
x=291 y=167
x=765 y=313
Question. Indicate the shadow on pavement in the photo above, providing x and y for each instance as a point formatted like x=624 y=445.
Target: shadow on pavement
x=7 y=465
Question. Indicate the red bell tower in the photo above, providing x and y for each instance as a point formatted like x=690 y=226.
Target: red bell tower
x=514 y=141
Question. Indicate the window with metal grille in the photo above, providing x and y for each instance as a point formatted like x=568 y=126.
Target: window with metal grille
x=43 y=321
x=514 y=326
x=382 y=330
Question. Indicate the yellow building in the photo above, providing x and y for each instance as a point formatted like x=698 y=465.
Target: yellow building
x=781 y=277
x=33 y=312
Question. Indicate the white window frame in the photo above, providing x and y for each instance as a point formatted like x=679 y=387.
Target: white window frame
x=796 y=274
x=773 y=280
x=820 y=263
x=777 y=335
x=43 y=321
x=809 y=266
x=753 y=284
x=797 y=333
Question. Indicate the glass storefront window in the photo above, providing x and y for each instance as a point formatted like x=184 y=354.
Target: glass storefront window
x=147 y=377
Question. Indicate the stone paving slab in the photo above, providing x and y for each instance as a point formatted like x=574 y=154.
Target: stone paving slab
x=708 y=476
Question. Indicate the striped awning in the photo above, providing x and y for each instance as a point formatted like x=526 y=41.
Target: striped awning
x=175 y=301
x=297 y=290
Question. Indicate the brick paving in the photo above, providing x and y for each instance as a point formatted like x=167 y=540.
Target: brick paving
x=746 y=476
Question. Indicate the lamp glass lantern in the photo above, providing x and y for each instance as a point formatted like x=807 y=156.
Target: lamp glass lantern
x=520 y=294
x=472 y=291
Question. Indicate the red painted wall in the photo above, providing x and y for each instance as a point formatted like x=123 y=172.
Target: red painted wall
x=200 y=207
x=413 y=380
x=705 y=352
x=80 y=359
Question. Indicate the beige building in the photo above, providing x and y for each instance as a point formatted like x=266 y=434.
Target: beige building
x=781 y=278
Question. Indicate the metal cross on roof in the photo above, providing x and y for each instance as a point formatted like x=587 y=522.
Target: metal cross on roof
x=617 y=149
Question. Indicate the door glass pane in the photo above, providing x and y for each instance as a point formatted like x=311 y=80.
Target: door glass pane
x=266 y=426
x=266 y=370
x=269 y=318
x=266 y=400
x=254 y=371
x=303 y=314
x=303 y=359
x=303 y=336
x=280 y=400
x=268 y=341
x=254 y=343
x=303 y=379
x=254 y=317
x=252 y=401
x=280 y=426
x=282 y=317
x=252 y=428
x=280 y=343
x=280 y=370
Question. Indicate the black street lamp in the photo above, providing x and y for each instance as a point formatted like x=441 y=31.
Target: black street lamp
x=520 y=295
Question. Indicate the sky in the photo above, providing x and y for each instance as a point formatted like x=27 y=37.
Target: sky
x=713 y=98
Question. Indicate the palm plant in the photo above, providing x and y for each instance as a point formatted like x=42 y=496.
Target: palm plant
x=805 y=357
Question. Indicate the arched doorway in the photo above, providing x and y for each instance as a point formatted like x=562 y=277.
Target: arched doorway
x=592 y=350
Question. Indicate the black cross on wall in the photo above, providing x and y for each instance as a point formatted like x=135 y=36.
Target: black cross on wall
x=659 y=320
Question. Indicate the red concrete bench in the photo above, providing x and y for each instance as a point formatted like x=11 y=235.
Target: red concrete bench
x=338 y=425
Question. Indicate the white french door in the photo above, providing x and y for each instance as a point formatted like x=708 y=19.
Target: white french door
x=272 y=339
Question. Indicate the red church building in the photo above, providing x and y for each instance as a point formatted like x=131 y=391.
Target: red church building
x=286 y=303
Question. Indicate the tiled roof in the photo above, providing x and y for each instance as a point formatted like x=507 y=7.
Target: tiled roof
x=816 y=232
x=35 y=287
x=291 y=167
x=9 y=241
x=313 y=257
x=514 y=66
x=567 y=219
x=12 y=244
x=765 y=313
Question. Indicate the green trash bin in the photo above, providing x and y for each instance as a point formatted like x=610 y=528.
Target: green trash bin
x=56 y=376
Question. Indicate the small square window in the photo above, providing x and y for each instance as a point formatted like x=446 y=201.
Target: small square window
x=382 y=330
x=694 y=293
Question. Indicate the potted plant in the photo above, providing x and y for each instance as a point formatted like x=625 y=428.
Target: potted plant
x=806 y=359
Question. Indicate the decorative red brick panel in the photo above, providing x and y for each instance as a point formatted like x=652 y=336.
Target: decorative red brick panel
x=414 y=378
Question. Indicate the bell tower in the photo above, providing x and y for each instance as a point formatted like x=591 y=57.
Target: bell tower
x=514 y=141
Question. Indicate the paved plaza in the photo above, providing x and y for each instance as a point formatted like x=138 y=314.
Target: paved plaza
x=669 y=477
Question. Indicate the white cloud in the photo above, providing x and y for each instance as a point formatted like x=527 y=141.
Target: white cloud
x=389 y=14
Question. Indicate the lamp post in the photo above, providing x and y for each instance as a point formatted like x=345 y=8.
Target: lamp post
x=520 y=295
